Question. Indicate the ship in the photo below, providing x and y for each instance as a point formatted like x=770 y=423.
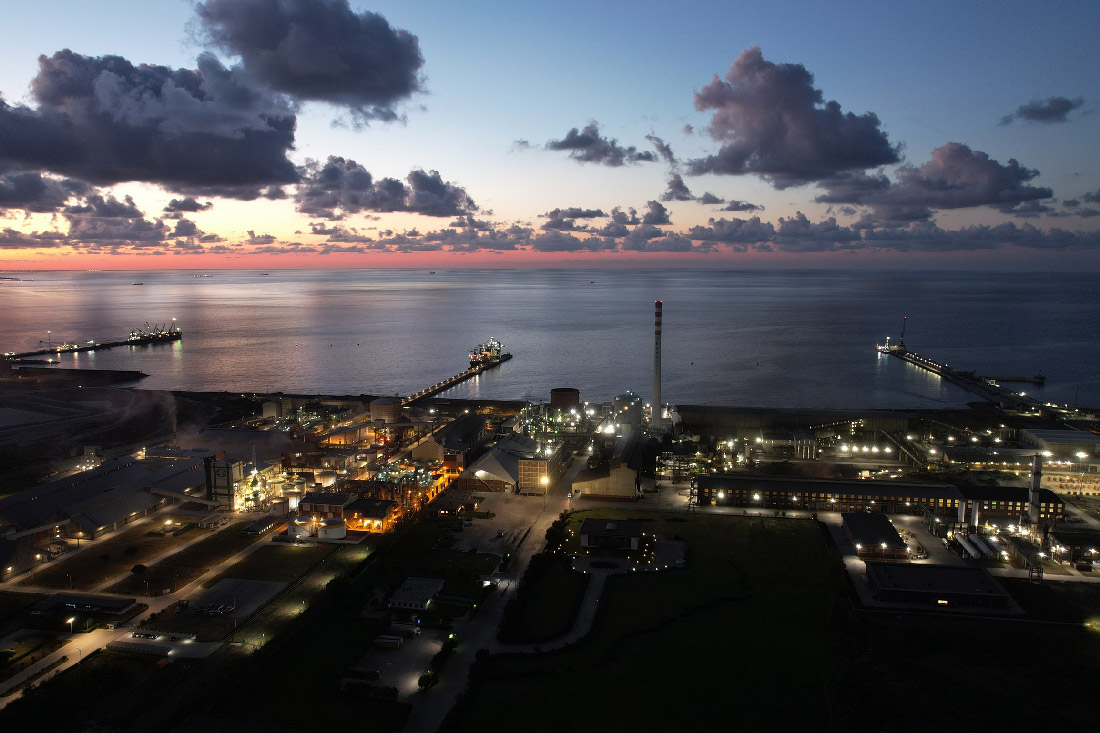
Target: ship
x=488 y=353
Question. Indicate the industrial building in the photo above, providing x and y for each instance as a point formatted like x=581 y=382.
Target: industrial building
x=516 y=464
x=416 y=594
x=371 y=515
x=454 y=443
x=874 y=536
x=825 y=494
x=938 y=586
x=325 y=505
x=613 y=534
x=620 y=478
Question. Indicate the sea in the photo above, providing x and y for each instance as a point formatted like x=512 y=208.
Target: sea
x=781 y=338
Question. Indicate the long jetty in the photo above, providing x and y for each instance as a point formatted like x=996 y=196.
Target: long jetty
x=995 y=393
x=137 y=338
x=456 y=379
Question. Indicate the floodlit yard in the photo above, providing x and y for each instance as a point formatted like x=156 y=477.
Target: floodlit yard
x=105 y=558
x=189 y=563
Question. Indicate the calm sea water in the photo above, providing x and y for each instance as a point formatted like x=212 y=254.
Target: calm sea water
x=782 y=339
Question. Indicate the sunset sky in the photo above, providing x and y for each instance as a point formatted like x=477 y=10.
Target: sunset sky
x=314 y=133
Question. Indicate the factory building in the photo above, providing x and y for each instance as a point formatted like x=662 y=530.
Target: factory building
x=564 y=399
x=620 y=478
x=371 y=515
x=325 y=505
x=516 y=464
x=938 y=586
x=874 y=536
x=825 y=494
x=453 y=444
x=618 y=534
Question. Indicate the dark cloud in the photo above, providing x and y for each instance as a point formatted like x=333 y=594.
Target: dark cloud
x=1052 y=110
x=185 y=228
x=741 y=206
x=105 y=207
x=656 y=214
x=734 y=231
x=254 y=238
x=588 y=146
x=1092 y=197
x=430 y=195
x=105 y=120
x=663 y=149
x=341 y=187
x=955 y=178
x=677 y=190
x=32 y=191
x=709 y=199
x=319 y=50
x=187 y=205
x=1031 y=210
x=773 y=123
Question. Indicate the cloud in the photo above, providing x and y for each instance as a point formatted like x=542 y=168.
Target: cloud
x=741 y=206
x=956 y=177
x=1091 y=197
x=663 y=149
x=105 y=121
x=677 y=190
x=656 y=214
x=566 y=219
x=31 y=191
x=588 y=146
x=772 y=122
x=710 y=199
x=1052 y=110
x=187 y=205
x=341 y=187
x=319 y=50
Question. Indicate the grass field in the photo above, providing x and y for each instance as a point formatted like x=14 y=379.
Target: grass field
x=13 y=607
x=687 y=649
x=1055 y=601
x=276 y=561
x=547 y=605
x=108 y=557
x=189 y=563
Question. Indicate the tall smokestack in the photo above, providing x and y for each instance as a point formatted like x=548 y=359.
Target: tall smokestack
x=655 y=413
x=1033 y=488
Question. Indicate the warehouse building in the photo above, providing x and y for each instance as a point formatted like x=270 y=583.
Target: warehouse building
x=874 y=536
x=938 y=586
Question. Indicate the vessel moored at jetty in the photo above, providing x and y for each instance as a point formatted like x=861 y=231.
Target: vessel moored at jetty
x=138 y=337
x=488 y=353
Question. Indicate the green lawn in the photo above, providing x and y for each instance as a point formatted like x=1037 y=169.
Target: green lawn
x=547 y=603
x=276 y=561
x=747 y=620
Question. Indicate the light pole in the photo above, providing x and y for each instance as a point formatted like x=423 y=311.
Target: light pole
x=71 y=619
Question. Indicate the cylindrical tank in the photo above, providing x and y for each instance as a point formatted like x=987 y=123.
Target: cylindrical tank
x=385 y=408
x=301 y=527
x=565 y=398
x=326 y=478
x=293 y=496
x=333 y=529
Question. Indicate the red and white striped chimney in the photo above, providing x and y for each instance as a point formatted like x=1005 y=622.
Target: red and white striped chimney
x=656 y=410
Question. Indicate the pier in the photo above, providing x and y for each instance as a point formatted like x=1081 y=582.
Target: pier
x=138 y=337
x=473 y=371
x=994 y=393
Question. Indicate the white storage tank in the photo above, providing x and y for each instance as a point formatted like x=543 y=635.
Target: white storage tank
x=293 y=496
x=301 y=527
x=333 y=529
x=326 y=478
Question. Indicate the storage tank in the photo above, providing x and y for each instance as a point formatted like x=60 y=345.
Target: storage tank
x=326 y=478
x=333 y=529
x=293 y=496
x=301 y=527
x=385 y=409
x=565 y=398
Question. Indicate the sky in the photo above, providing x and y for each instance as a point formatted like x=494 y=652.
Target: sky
x=328 y=133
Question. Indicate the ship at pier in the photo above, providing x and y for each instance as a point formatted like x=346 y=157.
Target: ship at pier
x=488 y=353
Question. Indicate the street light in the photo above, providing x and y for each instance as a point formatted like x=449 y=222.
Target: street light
x=71 y=619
